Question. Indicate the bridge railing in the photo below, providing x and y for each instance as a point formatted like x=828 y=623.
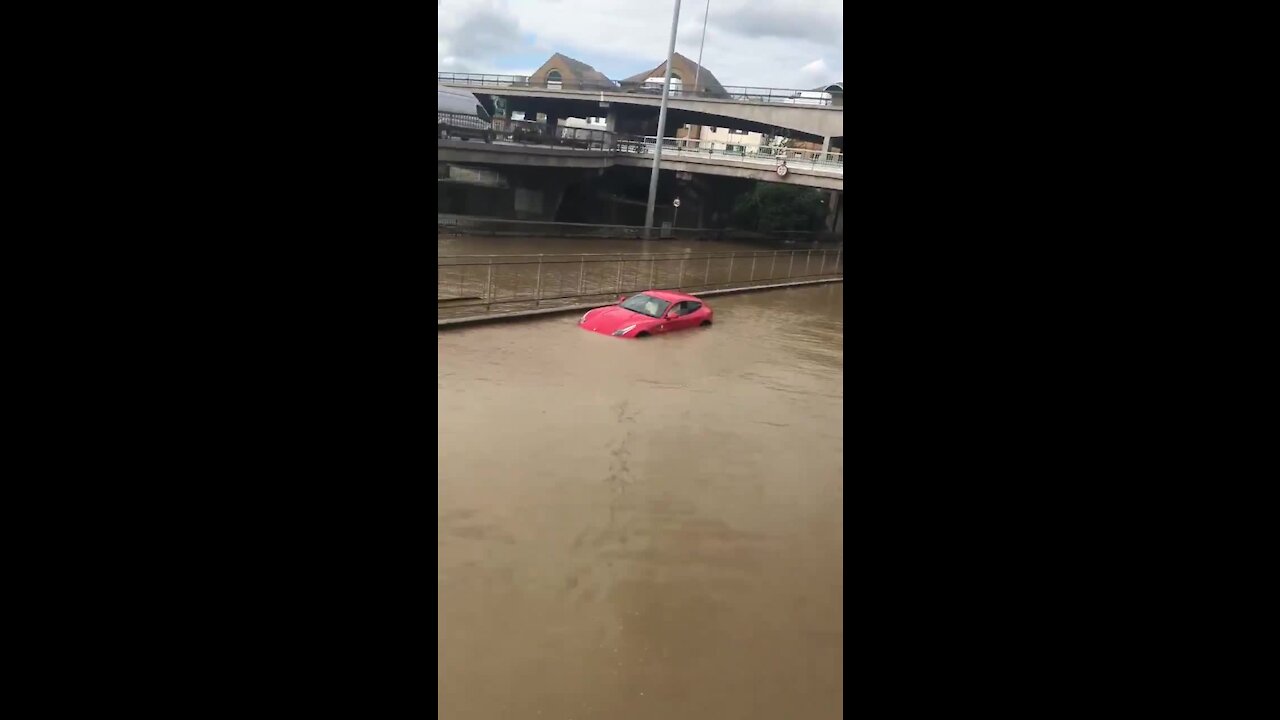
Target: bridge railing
x=482 y=79
x=452 y=124
x=765 y=154
x=470 y=285
x=790 y=96
x=535 y=133
x=520 y=81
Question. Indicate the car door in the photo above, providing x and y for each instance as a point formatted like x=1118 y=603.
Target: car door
x=688 y=317
x=671 y=323
x=697 y=313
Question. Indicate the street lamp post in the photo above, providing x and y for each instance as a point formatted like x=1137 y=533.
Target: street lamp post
x=662 y=126
x=702 y=44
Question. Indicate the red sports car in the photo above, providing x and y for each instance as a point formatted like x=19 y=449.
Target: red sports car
x=648 y=313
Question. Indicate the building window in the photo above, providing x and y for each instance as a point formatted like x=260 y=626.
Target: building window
x=553 y=80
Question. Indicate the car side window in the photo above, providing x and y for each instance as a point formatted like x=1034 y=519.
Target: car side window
x=689 y=306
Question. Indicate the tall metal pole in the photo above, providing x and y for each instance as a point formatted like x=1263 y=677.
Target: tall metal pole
x=662 y=127
x=698 y=72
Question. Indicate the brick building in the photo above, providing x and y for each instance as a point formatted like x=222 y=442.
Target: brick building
x=563 y=71
x=683 y=72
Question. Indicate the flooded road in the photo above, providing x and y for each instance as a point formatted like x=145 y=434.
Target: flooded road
x=515 y=274
x=644 y=529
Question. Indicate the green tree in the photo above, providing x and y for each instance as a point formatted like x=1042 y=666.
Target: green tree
x=772 y=207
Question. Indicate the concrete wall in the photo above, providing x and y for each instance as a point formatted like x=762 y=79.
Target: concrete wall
x=538 y=160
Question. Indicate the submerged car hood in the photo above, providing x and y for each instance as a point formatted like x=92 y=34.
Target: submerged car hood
x=608 y=319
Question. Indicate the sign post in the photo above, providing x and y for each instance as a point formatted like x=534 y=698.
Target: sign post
x=662 y=126
x=675 y=216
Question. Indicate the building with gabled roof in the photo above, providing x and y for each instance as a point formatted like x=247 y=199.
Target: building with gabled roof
x=837 y=92
x=571 y=74
x=685 y=70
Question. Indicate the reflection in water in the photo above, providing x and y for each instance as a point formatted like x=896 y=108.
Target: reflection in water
x=644 y=529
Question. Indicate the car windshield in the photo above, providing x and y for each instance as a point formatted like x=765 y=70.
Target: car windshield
x=646 y=305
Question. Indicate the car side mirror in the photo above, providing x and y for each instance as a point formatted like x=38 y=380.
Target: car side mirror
x=671 y=315
x=621 y=298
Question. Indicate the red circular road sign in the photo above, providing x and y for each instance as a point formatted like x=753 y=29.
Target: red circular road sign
x=676 y=202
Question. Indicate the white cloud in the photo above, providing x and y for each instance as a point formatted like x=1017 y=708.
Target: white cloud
x=763 y=43
x=818 y=73
x=817 y=67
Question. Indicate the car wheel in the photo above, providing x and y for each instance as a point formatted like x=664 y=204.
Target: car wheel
x=642 y=334
x=705 y=323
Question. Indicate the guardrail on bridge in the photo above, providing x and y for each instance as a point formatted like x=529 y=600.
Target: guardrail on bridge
x=741 y=93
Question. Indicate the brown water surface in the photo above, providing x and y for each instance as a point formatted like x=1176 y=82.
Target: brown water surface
x=644 y=529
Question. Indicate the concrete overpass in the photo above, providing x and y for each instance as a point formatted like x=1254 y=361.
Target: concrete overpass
x=824 y=122
x=816 y=175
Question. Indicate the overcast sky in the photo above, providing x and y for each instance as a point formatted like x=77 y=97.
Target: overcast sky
x=763 y=43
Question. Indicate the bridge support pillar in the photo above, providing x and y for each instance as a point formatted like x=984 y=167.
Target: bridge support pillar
x=826 y=144
x=834 y=201
x=539 y=193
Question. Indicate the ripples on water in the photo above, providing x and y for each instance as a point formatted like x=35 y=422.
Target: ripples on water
x=644 y=529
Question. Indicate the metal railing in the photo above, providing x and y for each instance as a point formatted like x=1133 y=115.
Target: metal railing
x=462 y=125
x=482 y=284
x=791 y=96
x=531 y=133
x=534 y=133
x=455 y=224
x=769 y=155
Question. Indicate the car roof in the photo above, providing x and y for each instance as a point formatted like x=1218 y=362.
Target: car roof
x=670 y=295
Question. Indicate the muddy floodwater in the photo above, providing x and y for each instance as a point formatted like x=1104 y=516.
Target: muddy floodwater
x=644 y=528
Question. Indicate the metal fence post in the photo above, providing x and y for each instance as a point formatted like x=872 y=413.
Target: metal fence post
x=582 y=268
x=462 y=273
x=488 y=288
x=619 y=290
x=706 y=279
x=791 y=264
x=732 y=256
x=680 y=282
x=771 y=263
x=537 y=290
x=652 y=266
x=837 y=265
x=753 y=267
x=824 y=262
x=807 y=256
